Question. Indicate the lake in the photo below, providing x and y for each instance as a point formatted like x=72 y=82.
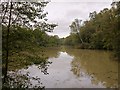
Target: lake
x=77 y=68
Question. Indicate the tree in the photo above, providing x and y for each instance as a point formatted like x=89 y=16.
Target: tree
x=116 y=31
x=101 y=31
x=24 y=14
x=75 y=28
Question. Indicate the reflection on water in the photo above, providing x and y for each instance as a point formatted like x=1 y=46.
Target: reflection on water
x=96 y=64
x=75 y=68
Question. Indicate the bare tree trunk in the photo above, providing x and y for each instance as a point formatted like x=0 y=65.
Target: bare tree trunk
x=7 y=47
x=77 y=24
x=79 y=36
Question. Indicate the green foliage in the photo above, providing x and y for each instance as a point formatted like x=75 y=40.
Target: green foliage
x=27 y=14
x=25 y=49
x=101 y=31
x=23 y=29
x=72 y=40
x=25 y=46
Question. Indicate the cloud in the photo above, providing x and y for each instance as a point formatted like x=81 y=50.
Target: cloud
x=63 y=13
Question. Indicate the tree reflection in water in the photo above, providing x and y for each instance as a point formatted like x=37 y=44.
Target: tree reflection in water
x=18 y=79
x=93 y=68
x=97 y=64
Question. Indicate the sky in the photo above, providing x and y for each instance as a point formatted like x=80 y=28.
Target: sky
x=63 y=12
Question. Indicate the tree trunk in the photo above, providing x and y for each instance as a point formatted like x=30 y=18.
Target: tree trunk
x=7 y=43
x=79 y=36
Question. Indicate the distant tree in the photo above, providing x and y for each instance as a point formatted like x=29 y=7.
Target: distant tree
x=101 y=31
x=75 y=28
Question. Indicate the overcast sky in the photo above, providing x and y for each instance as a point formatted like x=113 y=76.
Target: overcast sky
x=63 y=12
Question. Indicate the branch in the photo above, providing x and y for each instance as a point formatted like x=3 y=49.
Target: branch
x=5 y=12
x=15 y=18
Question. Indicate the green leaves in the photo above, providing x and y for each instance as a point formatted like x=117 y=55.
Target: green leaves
x=102 y=31
x=26 y=14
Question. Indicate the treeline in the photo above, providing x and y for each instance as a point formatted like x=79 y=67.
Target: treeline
x=21 y=38
x=101 y=31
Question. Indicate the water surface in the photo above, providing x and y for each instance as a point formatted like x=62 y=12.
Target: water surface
x=76 y=68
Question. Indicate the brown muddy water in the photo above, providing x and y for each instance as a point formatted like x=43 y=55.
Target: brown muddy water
x=76 y=68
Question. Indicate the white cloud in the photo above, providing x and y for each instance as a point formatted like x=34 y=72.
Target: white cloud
x=63 y=13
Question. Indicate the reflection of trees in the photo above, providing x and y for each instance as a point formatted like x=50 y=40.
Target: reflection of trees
x=39 y=58
x=21 y=81
x=97 y=64
x=76 y=68
x=18 y=79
